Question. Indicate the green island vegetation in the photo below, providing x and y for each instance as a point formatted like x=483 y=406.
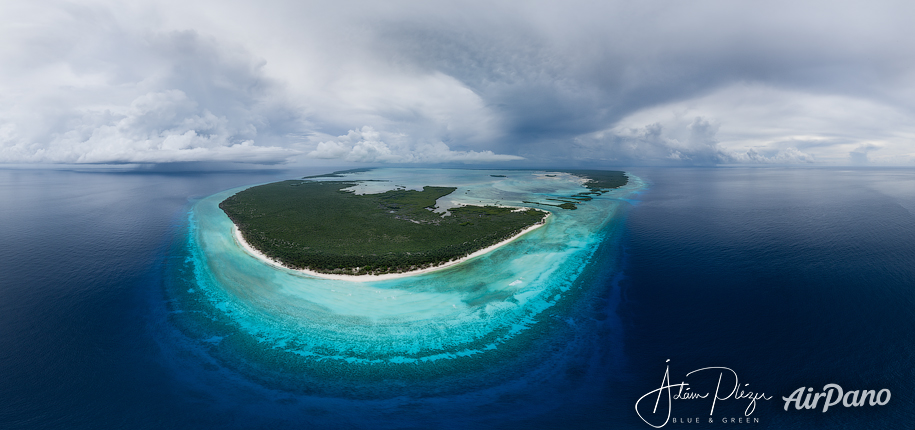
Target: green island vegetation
x=599 y=182
x=339 y=173
x=314 y=225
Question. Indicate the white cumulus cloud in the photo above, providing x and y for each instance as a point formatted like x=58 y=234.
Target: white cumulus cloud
x=755 y=123
x=368 y=146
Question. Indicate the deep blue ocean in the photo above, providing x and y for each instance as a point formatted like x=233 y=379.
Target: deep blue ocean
x=789 y=277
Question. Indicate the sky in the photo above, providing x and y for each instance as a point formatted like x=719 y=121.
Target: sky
x=494 y=83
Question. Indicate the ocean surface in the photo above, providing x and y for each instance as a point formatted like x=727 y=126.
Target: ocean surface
x=124 y=304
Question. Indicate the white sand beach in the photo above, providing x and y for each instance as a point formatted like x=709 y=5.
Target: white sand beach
x=368 y=278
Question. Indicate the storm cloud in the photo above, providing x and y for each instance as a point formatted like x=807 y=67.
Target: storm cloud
x=512 y=83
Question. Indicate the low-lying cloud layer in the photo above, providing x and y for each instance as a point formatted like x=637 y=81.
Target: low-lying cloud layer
x=517 y=83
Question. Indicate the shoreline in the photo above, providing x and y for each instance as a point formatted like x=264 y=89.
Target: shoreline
x=387 y=276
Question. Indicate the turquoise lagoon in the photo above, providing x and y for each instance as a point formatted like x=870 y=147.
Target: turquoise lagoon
x=477 y=319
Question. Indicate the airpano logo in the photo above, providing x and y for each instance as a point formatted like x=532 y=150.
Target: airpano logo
x=658 y=413
x=833 y=394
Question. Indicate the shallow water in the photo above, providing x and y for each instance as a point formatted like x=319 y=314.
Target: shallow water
x=467 y=309
x=441 y=332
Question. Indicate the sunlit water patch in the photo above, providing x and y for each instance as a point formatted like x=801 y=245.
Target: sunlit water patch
x=484 y=315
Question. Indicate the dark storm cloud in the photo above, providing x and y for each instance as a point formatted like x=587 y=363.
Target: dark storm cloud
x=555 y=74
x=622 y=82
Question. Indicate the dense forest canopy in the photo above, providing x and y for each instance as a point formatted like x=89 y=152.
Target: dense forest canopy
x=315 y=225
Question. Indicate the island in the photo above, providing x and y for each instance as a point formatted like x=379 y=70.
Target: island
x=597 y=182
x=324 y=227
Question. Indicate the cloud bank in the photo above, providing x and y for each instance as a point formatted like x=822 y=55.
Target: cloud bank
x=516 y=83
x=366 y=146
